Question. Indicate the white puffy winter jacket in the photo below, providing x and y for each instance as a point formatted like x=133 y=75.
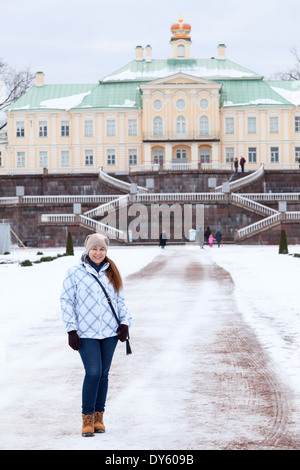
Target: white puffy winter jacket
x=84 y=306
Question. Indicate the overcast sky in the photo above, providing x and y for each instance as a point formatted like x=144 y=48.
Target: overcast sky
x=81 y=41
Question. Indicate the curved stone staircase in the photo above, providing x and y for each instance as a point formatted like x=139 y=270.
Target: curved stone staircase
x=271 y=217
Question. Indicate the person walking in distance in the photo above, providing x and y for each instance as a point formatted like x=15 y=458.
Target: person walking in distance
x=236 y=165
x=211 y=240
x=242 y=163
x=219 y=238
x=91 y=326
x=207 y=233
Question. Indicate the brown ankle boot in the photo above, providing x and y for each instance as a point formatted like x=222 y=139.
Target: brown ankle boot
x=98 y=424
x=87 y=425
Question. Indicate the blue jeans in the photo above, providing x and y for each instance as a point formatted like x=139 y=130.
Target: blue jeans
x=96 y=356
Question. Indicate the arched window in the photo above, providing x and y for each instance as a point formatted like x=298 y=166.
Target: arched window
x=157 y=126
x=158 y=156
x=204 y=125
x=180 y=125
x=205 y=154
x=181 y=154
x=180 y=51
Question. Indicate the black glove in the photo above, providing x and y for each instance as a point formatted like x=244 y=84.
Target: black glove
x=123 y=333
x=74 y=340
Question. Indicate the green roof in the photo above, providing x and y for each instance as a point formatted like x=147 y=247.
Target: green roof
x=240 y=87
x=52 y=97
x=249 y=93
x=114 y=95
x=55 y=97
x=141 y=70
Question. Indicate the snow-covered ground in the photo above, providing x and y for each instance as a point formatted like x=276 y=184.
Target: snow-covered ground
x=40 y=374
x=268 y=295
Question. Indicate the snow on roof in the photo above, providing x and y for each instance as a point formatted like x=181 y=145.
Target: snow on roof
x=139 y=71
x=293 y=96
x=127 y=104
x=66 y=102
x=259 y=101
x=196 y=71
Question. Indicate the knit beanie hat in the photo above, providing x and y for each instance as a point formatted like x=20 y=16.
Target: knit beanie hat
x=96 y=240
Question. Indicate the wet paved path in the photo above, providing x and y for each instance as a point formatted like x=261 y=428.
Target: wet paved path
x=204 y=379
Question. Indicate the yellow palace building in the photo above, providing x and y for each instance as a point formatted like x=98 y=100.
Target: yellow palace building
x=179 y=112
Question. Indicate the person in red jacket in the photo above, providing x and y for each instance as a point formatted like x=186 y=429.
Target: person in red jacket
x=242 y=163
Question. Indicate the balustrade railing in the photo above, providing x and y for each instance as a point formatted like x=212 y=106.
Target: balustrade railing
x=123 y=185
x=252 y=205
x=109 y=206
x=245 y=181
x=259 y=226
x=181 y=197
x=99 y=227
x=174 y=135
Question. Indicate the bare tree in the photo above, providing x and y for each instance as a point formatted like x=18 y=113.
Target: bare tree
x=294 y=72
x=15 y=83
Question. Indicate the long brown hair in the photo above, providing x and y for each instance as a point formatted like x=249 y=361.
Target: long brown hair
x=114 y=275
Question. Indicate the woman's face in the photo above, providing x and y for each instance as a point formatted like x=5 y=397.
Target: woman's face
x=97 y=254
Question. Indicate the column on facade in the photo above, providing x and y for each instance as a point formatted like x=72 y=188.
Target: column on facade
x=216 y=126
x=77 y=142
x=53 y=160
x=31 y=153
x=262 y=151
x=194 y=155
x=123 y=158
x=215 y=153
x=286 y=143
x=99 y=150
x=147 y=154
x=168 y=153
x=241 y=146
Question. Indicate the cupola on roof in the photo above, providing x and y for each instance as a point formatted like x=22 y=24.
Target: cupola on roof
x=180 y=30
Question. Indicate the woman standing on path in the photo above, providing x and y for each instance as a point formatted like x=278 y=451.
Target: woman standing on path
x=91 y=326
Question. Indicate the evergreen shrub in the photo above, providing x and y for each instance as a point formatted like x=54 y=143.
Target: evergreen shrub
x=283 y=245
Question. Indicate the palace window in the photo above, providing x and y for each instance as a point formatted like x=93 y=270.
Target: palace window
x=157 y=105
x=274 y=128
x=158 y=156
x=1 y=159
x=111 y=157
x=132 y=127
x=204 y=125
x=297 y=123
x=180 y=51
x=229 y=125
x=229 y=154
x=89 y=158
x=180 y=104
x=111 y=127
x=132 y=157
x=65 y=158
x=43 y=129
x=205 y=155
x=180 y=125
x=21 y=160
x=252 y=154
x=43 y=159
x=20 y=129
x=203 y=104
x=65 y=129
x=88 y=129
x=274 y=153
x=251 y=125
x=181 y=154
x=297 y=154
x=157 y=126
